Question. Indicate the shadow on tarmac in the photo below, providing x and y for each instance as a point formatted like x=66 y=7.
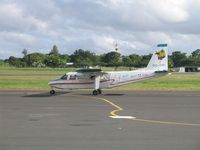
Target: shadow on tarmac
x=114 y=94
x=46 y=94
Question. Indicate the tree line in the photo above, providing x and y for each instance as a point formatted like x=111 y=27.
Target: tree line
x=85 y=58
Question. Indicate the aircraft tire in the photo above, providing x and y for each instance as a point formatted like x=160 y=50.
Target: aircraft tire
x=99 y=91
x=52 y=92
x=95 y=92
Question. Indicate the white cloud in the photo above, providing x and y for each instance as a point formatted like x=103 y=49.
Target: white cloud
x=170 y=11
x=16 y=37
x=13 y=18
x=137 y=26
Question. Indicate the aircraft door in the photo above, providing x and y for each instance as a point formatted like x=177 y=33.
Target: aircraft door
x=104 y=81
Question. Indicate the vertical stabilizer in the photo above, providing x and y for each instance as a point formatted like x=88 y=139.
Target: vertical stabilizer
x=159 y=59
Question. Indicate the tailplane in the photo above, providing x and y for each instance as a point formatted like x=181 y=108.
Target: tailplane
x=159 y=59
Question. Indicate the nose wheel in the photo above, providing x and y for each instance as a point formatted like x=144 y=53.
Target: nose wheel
x=52 y=92
x=96 y=92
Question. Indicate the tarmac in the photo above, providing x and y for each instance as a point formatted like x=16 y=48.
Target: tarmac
x=115 y=120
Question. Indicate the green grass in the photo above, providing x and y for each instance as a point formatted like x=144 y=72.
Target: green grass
x=167 y=83
x=39 y=82
x=13 y=70
x=25 y=82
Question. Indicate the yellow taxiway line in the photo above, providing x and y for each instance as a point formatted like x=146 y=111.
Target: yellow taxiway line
x=118 y=108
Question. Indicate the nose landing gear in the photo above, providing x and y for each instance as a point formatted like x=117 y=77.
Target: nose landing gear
x=52 y=92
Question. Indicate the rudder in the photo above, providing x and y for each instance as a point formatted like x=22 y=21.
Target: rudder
x=159 y=59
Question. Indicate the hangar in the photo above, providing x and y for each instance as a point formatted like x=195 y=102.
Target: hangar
x=187 y=69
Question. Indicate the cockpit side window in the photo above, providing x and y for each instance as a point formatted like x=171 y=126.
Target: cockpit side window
x=64 y=77
x=72 y=77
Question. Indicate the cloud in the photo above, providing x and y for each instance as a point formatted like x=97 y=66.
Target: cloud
x=170 y=11
x=14 y=19
x=12 y=37
x=137 y=26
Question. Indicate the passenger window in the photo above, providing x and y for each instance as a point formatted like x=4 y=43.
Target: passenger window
x=72 y=77
x=92 y=77
x=104 y=77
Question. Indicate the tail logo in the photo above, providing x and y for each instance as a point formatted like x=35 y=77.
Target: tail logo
x=161 y=54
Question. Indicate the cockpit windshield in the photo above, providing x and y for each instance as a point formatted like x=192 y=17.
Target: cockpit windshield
x=64 y=77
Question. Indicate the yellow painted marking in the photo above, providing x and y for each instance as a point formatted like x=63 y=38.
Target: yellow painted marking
x=118 y=108
x=113 y=112
x=165 y=122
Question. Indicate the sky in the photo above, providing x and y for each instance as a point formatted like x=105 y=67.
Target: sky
x=137 y=26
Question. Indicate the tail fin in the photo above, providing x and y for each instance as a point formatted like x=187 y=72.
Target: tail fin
x=159 y=59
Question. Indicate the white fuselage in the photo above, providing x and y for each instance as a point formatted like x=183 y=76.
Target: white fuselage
x=75 y=80
x=93 y=78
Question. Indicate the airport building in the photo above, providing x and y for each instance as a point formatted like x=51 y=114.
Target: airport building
x=187 y=69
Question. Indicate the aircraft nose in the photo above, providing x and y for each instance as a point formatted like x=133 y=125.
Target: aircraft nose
x=50 y=83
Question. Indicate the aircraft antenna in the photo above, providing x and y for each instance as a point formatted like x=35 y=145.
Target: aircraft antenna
x=116 y=47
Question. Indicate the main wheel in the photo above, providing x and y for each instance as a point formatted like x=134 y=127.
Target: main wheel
x=52 y=92
x=99 y=91
x=95 y=92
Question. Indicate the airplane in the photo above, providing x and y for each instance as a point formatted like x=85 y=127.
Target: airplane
x=96 y=79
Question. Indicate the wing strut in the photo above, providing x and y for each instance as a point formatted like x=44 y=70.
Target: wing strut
x=96 y=82
x=96 y=85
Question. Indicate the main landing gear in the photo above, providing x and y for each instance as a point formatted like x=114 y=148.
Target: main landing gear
x=96 y=92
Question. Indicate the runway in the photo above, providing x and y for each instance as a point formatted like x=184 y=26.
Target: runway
x=76 y=120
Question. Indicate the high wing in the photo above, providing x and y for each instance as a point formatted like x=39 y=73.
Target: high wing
x=90 y=71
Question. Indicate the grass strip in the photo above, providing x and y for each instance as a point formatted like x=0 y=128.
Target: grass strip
x=167 y=83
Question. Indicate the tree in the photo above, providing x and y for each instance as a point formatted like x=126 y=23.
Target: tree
x=145 y=60
x=25 y=52
x=25 y=58
x=13 y=61
x=54 y=51
x=36 y=59
x=52 y=61
x=127 y=61
x=196 y=53
x=83 y=58
x=63 y=60
x=179 y=58
x=195 y=57
x=112 y=58
x=136 y=60
x=170 y=62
